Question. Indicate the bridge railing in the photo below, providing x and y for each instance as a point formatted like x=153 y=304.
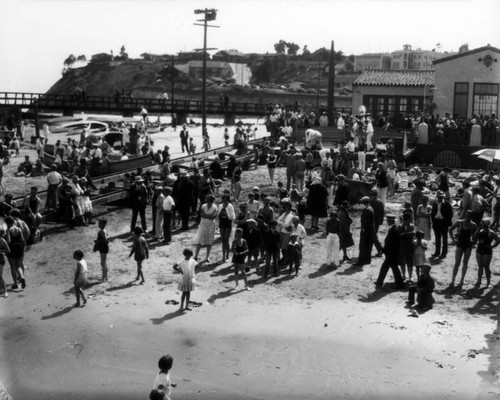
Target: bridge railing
x=85 y=102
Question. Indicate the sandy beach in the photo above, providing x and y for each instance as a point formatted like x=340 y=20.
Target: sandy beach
x=325 y=334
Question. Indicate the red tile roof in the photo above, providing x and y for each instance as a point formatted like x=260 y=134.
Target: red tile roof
x=395 y=78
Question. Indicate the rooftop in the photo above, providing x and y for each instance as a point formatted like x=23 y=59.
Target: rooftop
x=466 y=53
x=395 y=78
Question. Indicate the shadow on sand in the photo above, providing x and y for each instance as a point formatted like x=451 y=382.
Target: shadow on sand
x=59 y=313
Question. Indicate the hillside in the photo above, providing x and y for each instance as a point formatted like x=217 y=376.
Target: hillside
x=272 y=79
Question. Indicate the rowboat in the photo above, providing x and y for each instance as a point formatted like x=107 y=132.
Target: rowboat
x=115 y=165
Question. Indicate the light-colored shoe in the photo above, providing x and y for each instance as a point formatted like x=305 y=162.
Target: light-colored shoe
x=5 y=294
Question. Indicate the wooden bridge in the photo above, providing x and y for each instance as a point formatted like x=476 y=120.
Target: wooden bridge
x=127 y=106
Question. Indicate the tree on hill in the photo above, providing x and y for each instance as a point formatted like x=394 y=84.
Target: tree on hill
x=292 y=48
x=81 y=58
x=280 y=47
x=123 y=54
x=306 y=52
x=463 y=48
x=68 y=63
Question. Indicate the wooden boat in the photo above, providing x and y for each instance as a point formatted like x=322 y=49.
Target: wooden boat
x=116 y=164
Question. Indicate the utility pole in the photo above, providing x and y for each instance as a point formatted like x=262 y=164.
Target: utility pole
x=172 y=86
x=331 y=85
x=317 y=85
x=209 y=15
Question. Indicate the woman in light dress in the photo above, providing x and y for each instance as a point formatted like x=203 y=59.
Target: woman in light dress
x=423 y=221
x=206 y=230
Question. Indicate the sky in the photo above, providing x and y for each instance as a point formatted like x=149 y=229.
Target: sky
x=36 y=36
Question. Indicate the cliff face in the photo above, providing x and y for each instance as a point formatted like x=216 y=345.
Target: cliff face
x=143 y=78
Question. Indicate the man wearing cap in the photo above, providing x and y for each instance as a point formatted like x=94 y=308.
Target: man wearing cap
x=391 y=250
x=184 y=135
x=184 y=199
x=379 y=212
x=367 y=233
x=138 y=201
x=441 y=216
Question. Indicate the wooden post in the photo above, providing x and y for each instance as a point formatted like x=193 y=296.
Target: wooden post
x=331 y=86
x=37 y=124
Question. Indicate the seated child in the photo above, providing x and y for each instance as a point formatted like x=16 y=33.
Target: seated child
x=423 y=288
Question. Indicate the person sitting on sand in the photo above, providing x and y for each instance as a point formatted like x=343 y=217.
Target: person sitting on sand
x=423 y=288
x=188 y=281
x=25 y=168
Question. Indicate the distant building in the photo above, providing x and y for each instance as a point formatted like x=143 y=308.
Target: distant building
x=367 y=61
x=408 y=59
x=468 y=83
x=392 y=94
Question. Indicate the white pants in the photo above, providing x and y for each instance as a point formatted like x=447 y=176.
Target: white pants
x=159 y=224
x=332 y=249
x=362 y=160
x=382 y=194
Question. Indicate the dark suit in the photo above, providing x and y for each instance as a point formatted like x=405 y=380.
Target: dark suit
x=379 y=212
x=185 y=195
x=366 y=236
x=138 y=201
x=391 y=250
x=441 y=226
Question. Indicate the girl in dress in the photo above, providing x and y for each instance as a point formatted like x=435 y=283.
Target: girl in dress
x=80 y=277
x=240 y=251
x=423 y=222
x=419 y=248
x=102 y=246
x=188 y=281
x=141 y=250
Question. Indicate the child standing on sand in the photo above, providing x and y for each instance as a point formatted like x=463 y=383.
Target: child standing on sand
x=162 y=382
x=141 y=250
x=102 y=246
x=188 y=281
x=80 y=277
x=240 y=251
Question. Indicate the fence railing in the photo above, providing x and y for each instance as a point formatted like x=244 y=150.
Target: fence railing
x=82 y=101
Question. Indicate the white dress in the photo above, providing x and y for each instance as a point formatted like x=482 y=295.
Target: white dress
x=206 y=230
x=187 y=283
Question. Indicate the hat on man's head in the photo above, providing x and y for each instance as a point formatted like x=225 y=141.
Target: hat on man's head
x=364 y=199
x=138 y=179
x=390 y=217
x=439 y=193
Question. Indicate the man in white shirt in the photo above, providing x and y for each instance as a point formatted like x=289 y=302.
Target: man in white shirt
x=168 y=209
x=54 y=179
x=340 y=122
